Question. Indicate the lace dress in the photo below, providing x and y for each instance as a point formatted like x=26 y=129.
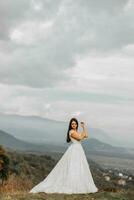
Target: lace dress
x=71 y=174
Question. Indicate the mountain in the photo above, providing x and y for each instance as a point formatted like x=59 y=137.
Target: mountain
x=41 y=130
x=91 y=145
x=94 y=146
x=11 y=142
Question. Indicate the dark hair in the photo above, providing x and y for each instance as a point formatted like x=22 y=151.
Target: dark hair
x=69 y=128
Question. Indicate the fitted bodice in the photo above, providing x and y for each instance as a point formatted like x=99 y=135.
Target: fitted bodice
x=74 y=141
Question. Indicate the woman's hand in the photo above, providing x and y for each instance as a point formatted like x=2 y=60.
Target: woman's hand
x=82 y=124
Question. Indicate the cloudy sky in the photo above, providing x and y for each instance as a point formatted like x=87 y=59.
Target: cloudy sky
x=65 y=58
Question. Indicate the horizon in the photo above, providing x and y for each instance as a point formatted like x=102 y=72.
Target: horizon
x=16 y=135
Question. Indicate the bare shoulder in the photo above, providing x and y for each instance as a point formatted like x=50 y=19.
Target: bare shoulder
x=73 y=132
x=75 y=135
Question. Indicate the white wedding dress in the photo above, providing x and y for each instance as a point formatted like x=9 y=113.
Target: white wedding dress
x=71 y=175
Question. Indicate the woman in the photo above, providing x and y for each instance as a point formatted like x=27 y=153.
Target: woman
x=71 y=175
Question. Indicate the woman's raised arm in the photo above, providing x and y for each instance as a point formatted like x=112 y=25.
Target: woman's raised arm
x=85 y=132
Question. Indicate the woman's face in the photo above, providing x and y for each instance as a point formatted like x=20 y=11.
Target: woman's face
x=73 y=125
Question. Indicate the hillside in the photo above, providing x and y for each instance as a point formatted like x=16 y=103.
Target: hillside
x=26 y=170
x=94 y=146
x=91 y=145
x=11 y=142
x=42 y=130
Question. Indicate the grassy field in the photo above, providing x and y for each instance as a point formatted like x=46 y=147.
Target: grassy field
x=101 y=195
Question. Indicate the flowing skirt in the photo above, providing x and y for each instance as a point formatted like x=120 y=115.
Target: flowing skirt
x=71 y=174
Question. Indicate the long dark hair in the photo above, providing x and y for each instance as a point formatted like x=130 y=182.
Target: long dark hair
x=69 y=128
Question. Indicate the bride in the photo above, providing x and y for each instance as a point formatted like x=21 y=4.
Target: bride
x=71 y=175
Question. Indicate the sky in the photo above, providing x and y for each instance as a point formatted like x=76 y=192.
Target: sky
x=63 y=58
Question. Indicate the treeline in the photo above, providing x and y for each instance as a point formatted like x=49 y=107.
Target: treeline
x=34 y=167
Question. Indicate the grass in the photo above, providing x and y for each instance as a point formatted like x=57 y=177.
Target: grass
x=18 y=187
x=101 y=195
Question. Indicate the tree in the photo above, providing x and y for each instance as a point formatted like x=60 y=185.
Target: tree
x=4 y=165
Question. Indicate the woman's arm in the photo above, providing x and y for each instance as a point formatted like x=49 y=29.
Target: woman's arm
x=77 y=136
x=84 y=130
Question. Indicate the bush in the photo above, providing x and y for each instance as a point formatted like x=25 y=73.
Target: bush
x=4 y=165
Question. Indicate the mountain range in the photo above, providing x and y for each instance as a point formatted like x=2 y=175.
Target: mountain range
x=91 y=145
x=42 y=130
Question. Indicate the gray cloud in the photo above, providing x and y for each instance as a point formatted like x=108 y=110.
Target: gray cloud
x=15 y=12
x=39 y=57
